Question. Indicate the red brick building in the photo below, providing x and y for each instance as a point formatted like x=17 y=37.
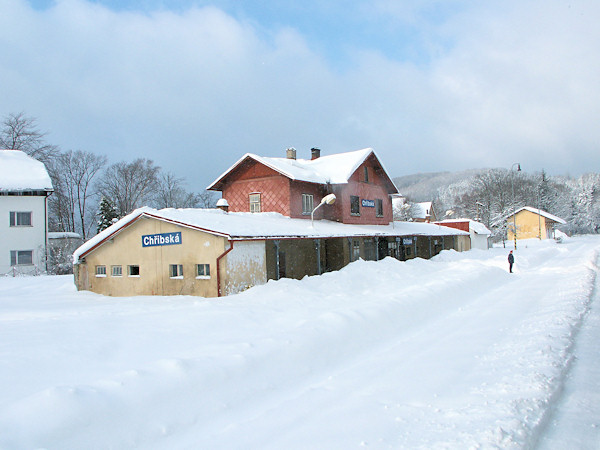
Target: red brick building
x=293 y=187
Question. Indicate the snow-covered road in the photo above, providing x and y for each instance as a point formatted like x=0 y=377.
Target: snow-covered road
x=448 y=353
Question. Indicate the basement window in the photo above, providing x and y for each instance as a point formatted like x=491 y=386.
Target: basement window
x=133 y=271
x=176 y=271
x=203 y=271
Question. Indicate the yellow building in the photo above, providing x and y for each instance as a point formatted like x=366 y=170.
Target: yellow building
x=532 y=223
x=209 y=252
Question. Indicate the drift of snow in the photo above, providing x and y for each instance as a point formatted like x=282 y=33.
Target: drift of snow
x=453 y=352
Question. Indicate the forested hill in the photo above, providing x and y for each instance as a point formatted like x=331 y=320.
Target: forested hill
x=423 y=187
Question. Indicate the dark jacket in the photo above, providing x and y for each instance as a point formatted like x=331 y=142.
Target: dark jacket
x=511 y=258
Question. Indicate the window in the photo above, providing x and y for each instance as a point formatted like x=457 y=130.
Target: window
x=21 y=257
x=116 y=271
x=100 y=271
x=203 y=271
x=307 y=203
x=370 y=249
x=354 y=205
x=133 y=271
x=254 y=203
x=176 y=270
x=355 y=250
x=378 y=207
x=20 y=218
x=366 y=170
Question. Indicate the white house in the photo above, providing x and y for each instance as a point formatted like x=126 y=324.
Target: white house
x=24 y=189
x=478 y=232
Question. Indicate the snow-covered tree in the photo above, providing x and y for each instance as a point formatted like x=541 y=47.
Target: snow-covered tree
x=107 y=214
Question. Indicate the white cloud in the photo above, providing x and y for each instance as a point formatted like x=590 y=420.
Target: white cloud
x=195 y=90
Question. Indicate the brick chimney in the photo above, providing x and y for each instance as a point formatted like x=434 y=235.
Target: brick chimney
x=290 y=153
x=315 y=153
x=223 y=205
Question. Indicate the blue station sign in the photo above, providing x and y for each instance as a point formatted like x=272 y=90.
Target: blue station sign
x=368 y=203
x=153 y=240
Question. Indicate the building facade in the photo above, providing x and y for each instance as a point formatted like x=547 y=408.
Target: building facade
x=24 y=189
x=532 y=223
x=264 y=232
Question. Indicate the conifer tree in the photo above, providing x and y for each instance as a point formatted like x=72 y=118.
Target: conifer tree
x=107 y=214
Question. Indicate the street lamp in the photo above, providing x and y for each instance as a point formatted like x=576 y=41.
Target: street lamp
x=329 y=199
x=512 y=183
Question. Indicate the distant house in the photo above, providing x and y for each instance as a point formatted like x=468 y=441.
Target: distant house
x=24 y=189
x=424 y=212
x=262 y=231
x=479 y=232
x=532 y=223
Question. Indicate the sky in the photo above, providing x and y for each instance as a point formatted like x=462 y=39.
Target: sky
x=193 y=85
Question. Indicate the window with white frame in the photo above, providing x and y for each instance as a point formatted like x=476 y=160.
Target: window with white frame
x=254 y=203
x=100 y=271
x=20 y=218
x=176 y=270
x=21 y=257
x=133 y=270
x=355 y=250
x=203 y=271
x=307 y=203
x=116 y=271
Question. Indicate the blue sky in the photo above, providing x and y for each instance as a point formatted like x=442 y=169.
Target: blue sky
x=430 y=85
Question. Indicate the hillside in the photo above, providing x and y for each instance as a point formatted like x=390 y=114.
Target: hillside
x=422 y=187
x=452 y=352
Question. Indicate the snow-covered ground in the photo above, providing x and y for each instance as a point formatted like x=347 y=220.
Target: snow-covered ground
x=454 y=352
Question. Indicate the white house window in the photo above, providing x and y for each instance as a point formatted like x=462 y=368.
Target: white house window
x=21 y=257
x=176 y=270
x=100 y=271
x=116 y=271
x=307 y=203
x=379 y=207
x=133 y=271
x=203 y=271
x=20 y=218
x=254 y=203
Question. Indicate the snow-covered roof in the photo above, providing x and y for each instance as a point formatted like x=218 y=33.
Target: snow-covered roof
x=244 y=226
x=541 y=212
x=21 y=172
x=334 y=169
x=474 y=226
x=422 y=209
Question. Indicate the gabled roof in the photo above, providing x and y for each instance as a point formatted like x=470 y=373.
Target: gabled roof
x=332 y=169
x=541 y=212
x=422 y=210
x=249 y=226
x=21 y=172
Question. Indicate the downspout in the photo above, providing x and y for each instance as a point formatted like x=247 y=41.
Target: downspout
x=219 y=269
x=46 y=230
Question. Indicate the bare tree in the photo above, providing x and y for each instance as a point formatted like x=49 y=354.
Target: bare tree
x=20 y=132
x=171 y=194
x=130 y=185
x=73 y=174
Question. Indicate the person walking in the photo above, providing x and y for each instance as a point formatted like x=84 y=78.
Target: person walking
x=511 y=261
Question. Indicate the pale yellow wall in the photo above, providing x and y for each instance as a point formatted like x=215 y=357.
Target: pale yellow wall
x=126 y=248
x=528 y=225
x=243 y=267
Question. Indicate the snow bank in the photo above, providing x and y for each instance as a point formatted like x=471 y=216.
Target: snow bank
x=454 y=352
